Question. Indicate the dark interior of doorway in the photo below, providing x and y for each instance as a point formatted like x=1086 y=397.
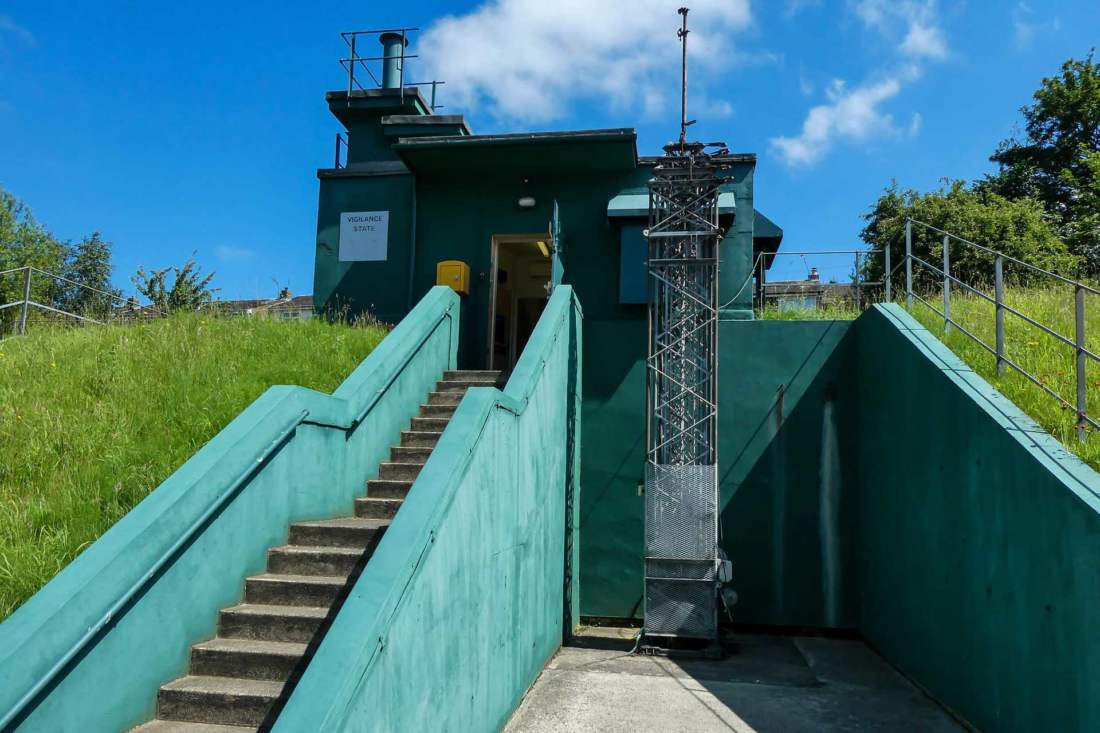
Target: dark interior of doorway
x=521 y=287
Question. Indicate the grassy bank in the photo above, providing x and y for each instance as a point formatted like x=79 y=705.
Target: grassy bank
x=842 y=311
x=1051 y=361
x=92 y=419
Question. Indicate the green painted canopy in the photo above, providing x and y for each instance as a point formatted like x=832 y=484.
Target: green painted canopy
x=636 y=205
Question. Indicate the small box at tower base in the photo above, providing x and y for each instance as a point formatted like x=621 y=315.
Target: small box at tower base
x=681 y=551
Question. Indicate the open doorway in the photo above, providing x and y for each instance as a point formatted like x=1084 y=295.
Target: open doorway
x=520 y=287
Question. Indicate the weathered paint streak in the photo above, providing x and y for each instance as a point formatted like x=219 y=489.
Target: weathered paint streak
x=462 y=602
x=317 y=474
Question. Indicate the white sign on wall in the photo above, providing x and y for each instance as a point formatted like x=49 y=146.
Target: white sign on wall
x=363 y=235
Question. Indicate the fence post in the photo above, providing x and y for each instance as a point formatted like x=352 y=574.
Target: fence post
x=887 y=271
x=351 y=68
x=1079 y=307
x=859 y=293
x=909 y=263
x=25 y=308
x=946 y=285
x=999 y=317
x=763 y=283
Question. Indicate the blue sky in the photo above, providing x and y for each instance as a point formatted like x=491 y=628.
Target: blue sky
x=181 y=127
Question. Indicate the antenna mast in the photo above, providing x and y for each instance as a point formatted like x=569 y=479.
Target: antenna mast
x=682 y=34
x=684 y=568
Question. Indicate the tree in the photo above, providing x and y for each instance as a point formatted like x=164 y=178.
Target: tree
x=1016 y=227
x=1055 y=161
x=189 y=289
x=88 y=269
x=25 y=242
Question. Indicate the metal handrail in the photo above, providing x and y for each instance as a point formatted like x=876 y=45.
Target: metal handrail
x=167 y=556
x=26 y=302
x=353 y=60
x=1077 y=343
x=1010 y=258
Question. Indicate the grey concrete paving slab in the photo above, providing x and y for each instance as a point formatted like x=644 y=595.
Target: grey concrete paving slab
x=764 y=684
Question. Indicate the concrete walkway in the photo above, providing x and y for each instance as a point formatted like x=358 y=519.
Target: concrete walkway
x=767 y=683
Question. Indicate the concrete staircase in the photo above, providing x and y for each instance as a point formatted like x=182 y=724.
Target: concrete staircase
x=239 y=681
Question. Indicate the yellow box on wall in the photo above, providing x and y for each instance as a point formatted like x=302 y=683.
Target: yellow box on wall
x=455 y=274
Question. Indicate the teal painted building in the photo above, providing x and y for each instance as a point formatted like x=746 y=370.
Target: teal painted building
x=524 y=212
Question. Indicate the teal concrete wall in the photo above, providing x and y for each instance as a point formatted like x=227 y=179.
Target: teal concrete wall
x=334 y=443
x=463 y=600
x=787 y=470
x=979 y=547
x=772 y=467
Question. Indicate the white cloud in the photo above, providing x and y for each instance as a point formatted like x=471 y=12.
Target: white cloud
x=852 y=115
x=804 y=84
x=1026 y=28
x=857 y=114
x=915 y=124
x=230 y=253
x=528 y=60
x=794 y=7
x=8 y=25
x=915 y=23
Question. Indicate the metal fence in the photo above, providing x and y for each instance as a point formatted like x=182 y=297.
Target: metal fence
x=1000 y=308
x=822 y=286
x=34 y=285
x=932 y=285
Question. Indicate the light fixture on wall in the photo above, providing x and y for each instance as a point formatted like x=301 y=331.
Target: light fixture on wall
x=526 y=202
x=543 y=248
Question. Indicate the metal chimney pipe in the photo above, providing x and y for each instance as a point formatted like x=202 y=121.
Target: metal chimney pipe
x=393 y=51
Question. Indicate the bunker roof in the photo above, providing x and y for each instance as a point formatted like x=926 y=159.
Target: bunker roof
x=552 y=152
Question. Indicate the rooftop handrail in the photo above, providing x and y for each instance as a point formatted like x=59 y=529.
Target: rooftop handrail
x=354 y=61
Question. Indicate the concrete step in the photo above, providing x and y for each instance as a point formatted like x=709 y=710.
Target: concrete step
x=342 y=532
x=418 y=439
x=429 y=424
x=247 y=659
x=178 y=726
x=445 y=398
x=402 y=471
x=430 y=410
x=405 y=454
x=472 y=375
x=379 y=488
x=223 y=700
x=294 y=590
x=372 y=508
x=454 y=385
x=313 y=560
x=270 y=622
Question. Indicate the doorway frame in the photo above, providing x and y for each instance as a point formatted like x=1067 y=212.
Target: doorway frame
x=494 y=244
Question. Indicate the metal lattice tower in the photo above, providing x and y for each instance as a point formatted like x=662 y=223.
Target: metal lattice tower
x=681 y=525
x=681 y=537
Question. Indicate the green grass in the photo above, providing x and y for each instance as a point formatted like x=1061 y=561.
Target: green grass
x=92 y=419
x=842 y=311
x=1051 y=361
